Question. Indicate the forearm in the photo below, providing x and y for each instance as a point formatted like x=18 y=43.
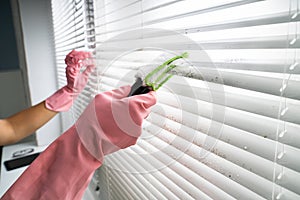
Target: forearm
x=24 y=123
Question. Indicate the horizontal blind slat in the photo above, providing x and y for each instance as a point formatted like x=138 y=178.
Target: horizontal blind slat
x=255 y=102
x=206 y=172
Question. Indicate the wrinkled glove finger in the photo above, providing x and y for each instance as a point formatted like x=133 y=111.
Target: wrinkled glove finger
x=76 y=57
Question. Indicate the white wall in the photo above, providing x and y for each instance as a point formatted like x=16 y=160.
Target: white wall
x=12 y=93
x=39 y=52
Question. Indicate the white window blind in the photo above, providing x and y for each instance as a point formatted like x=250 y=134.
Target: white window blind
x=253 y=47
x=230 y=130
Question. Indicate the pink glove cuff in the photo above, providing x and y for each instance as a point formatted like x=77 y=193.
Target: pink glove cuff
x=60 y=101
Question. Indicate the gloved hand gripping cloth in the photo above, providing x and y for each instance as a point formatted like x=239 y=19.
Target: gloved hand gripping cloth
x=111 y=121
x=63 y=99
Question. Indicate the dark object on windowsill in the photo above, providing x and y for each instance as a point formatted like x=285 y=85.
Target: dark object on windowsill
x=20 y=162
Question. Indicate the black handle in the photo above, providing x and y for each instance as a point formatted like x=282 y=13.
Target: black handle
x=138 y=88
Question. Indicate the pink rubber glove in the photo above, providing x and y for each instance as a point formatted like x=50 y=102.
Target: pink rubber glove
x=62 y=100
x=65 y=168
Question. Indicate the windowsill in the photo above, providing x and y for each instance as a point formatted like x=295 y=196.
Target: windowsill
x=9 y=177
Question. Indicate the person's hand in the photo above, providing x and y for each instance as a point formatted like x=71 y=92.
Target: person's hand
x=62 y=99
x=113 y=121
x=76 y=60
